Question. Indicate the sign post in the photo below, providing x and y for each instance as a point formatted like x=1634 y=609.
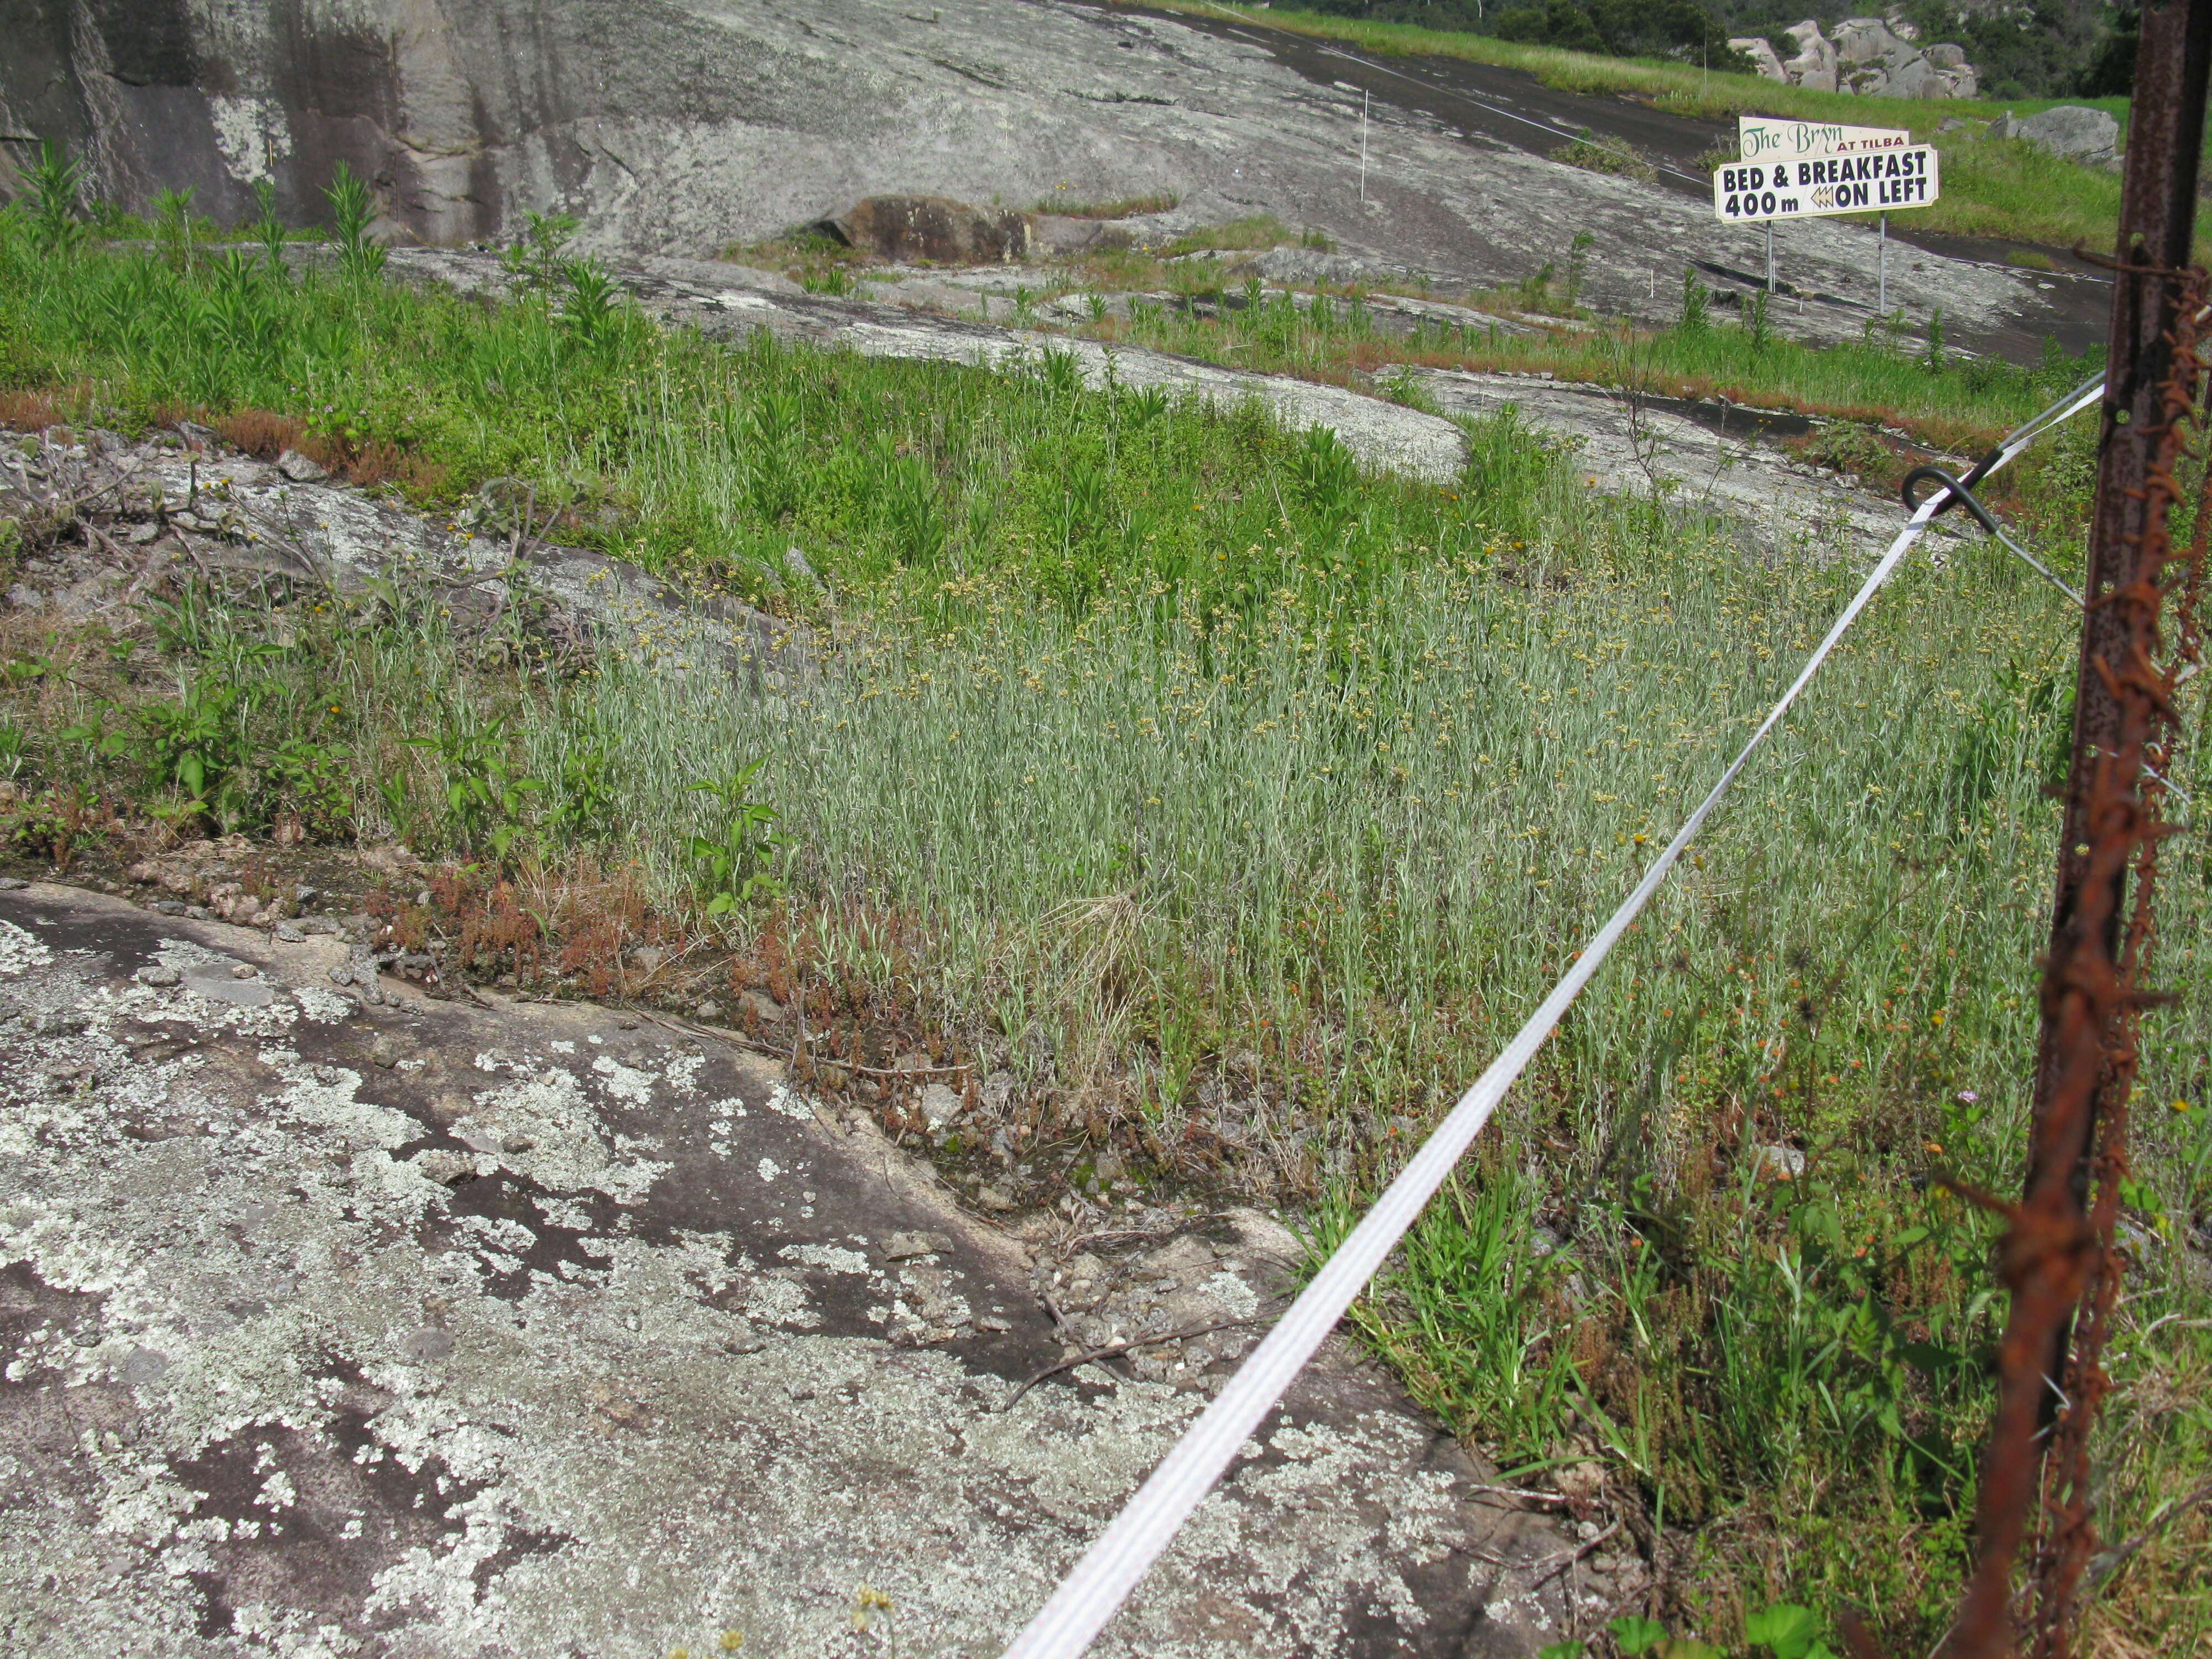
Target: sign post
x=1810 y=169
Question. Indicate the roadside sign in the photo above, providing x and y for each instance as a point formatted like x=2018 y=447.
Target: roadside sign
x=1759 y=138
x=1809 y=169
x=1872 y=182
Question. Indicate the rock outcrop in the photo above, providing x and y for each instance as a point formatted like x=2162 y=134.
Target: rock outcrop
x=2072 y=132
x=1816 y=66
x=339 y=1319
x=1764 y=59
x=1874 y=56
x=932 y=230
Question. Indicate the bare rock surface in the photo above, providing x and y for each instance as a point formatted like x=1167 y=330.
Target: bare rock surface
x=1874 y=55
x=679 y=126
x=338 y=1327
x=1694 y=456
x=2074 y=132
x=157 y=502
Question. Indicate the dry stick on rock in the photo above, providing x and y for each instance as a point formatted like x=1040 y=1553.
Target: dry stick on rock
x=1553 y=1565
x=713 y=1033
x=1058 y=1318
x=1108 y=1352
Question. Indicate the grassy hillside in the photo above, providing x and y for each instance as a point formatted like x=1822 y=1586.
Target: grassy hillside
x=2005 y=190
x=1238 y=800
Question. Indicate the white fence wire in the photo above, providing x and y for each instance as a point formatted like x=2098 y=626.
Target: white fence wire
x=1111 y=1568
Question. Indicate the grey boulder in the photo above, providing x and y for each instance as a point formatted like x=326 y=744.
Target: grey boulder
x=1815 y=65
x=1764 y=59
x=2072 y=132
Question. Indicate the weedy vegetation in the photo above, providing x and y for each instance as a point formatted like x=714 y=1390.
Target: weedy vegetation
x=1887 y=379
x=1613 y=156
x=1237 y=801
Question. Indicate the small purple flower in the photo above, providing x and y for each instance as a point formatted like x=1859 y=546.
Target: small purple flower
x=1968 y=1096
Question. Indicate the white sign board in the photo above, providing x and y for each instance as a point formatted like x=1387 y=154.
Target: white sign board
x=1872 y=182
x=1762 y=139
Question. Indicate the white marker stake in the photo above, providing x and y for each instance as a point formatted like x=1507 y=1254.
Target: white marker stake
x=1882 y=281
x=1770 y=256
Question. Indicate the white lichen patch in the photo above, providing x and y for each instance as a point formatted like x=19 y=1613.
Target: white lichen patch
x=185 y=954
x=251 y=133
x=791 y=1103
x=321 y=1006
x=332 y=1107
x=624 y=1083
x=565 y=1152
x=1233 y=1293
x=836 y=1259
x=564 y=1213
x=21 y=951
x=783 y=1302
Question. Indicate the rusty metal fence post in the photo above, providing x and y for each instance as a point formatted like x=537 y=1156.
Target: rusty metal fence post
x=2056 y=1256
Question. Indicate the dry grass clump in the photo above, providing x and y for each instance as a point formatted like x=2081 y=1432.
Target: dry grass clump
x=265 y=435
x=29 y=411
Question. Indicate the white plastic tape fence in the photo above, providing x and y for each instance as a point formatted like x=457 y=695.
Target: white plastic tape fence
x=1102 y=1581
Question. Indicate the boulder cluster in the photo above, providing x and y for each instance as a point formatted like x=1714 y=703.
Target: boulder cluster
x=1874 y=57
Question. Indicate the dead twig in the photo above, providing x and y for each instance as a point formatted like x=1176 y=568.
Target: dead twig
x=1058 y=1318
x=2109 y=1562
x=1553 y=1565
x=1112 y=1349
x=713 y=1033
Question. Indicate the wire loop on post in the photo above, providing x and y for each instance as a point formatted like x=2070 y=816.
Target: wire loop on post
x=1956 y=492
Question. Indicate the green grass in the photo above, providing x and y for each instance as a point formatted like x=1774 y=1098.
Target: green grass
x=1886 y=377
x=1249 y=799
x=1126 y=207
